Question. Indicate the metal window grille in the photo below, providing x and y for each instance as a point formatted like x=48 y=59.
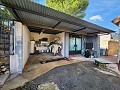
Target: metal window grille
x=6 y=36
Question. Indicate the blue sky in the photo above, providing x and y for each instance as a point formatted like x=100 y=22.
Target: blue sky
x=101 y=12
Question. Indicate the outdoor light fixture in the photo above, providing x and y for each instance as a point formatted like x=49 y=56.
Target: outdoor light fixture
x=80 y=29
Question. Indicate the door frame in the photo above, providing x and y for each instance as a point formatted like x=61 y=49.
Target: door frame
x=75 y=51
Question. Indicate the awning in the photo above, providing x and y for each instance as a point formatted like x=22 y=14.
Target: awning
x=39 y=16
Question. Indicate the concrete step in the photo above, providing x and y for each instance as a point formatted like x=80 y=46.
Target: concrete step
x=3 y=78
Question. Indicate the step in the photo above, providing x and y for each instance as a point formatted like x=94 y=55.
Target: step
x=3 y=78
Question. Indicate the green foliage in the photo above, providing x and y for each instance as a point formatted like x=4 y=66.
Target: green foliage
x=5 y=12
x=72 y=7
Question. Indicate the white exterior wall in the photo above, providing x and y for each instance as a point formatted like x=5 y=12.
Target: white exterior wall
x=66 y=50
x=26 y=45
x=96 y=43
x=16 y=59
x=22 y=42
x=104 y=41
x=83 y=45
x=62 y=41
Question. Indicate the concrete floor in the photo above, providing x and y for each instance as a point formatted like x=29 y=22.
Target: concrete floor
x=34 y=69
x=31 y=71
x=43 y=57
x=79 y=76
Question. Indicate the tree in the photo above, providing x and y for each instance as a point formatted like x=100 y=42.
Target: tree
x=72 y=7
x=4 y=12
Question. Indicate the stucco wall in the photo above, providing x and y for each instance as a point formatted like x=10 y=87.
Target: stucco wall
x=112 y=47
x=96 y=43
x=83 y=44
x=62 y=41
x=37 y=36
x=26 y=45
x=51 y=37
x=22 y=42
x=16 y=59
x=104 y=41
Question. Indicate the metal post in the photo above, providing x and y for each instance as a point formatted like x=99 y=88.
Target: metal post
x=119 y=44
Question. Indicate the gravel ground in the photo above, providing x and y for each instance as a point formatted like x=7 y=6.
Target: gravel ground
x=78 y=76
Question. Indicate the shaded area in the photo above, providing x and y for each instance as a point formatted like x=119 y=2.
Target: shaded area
x=78 y=76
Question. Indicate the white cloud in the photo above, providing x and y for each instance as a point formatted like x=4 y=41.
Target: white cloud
x=96 y=18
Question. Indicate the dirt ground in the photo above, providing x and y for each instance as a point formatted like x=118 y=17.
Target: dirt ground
x=77 y=76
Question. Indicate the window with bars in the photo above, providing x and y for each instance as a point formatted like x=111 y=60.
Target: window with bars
x=6 y=37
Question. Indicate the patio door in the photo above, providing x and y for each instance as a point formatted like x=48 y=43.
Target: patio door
x=75 y=45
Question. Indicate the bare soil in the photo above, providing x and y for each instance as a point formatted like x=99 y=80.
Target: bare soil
x=78 y=76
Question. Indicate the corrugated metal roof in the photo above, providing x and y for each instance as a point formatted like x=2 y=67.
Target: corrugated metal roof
x=27 y=17
x=35 y=14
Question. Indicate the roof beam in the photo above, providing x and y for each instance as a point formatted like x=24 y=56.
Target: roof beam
x=46 y=27
x=57 y=24
x=16 y=15
x=94 y=32
x=36 y=28
x=80 y=29
x=97 y=33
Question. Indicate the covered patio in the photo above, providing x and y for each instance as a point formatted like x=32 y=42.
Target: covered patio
x=32 y=19
x=39 y=18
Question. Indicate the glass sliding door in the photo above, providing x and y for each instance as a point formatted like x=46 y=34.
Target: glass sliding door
x=78 y=45
x=72 y=44
x=75 y=45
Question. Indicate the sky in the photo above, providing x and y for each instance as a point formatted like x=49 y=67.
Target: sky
x=101 y=12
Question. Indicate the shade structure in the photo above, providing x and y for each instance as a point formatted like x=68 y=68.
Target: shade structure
x=42 y=17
